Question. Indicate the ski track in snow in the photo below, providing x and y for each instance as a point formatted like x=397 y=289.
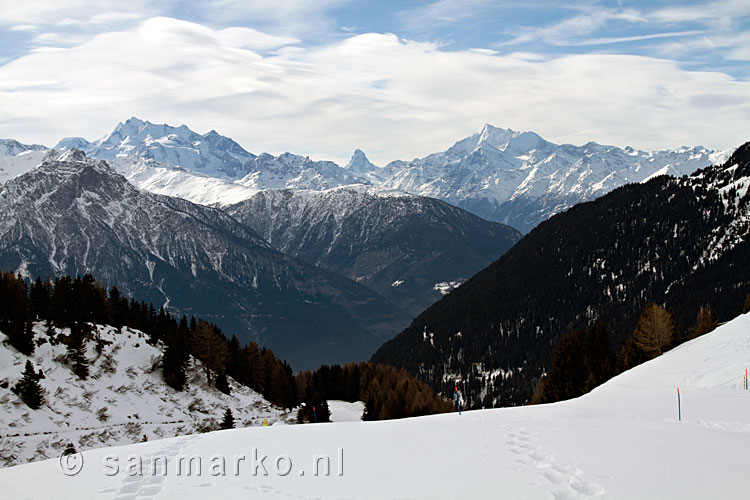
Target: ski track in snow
x=568 y=480
x=134 y=486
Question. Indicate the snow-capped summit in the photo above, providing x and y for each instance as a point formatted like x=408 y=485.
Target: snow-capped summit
x=77 y=156
x=208 y=154
x=210 y=169
x=521 y=179
x=72 y=143
x=361 y=166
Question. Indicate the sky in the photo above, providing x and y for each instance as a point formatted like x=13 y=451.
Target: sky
x=397 y=79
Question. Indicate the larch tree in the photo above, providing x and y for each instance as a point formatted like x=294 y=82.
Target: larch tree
x=210 y=348
x=656 y=330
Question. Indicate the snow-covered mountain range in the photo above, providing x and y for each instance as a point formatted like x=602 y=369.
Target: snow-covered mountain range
x=179 y=149
x=520 y=179
x=125 y=400
x=517 y=178
x=624 y=440
x=73 y=215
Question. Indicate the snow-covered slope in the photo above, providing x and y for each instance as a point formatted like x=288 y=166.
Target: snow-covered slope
x=169 y=180
x=123 y=400
x=17 y=158
x=344 y=411
x=622 y=441
x=520 y=179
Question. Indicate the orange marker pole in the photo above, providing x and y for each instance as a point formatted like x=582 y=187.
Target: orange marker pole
x=679 y=407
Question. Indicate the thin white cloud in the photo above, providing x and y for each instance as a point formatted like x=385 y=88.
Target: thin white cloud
x=733 y=46
x=391 y=97
x=286 y=17
x=721 y=13
x=635 y=38
x=569 y=31
x=51 y=12
x=440 y=13
x=23 y=27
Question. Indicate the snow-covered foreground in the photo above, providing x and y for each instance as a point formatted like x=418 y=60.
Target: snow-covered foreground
x=621 y=441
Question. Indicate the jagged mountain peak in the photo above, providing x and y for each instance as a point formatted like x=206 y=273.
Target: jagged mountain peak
x=498 y=138
x=360 y=164
x=74 y=155
x=208 y=154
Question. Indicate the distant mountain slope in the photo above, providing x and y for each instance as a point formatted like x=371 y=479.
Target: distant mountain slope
x=11 y=147
x=123 y=400
x=169 y=180
x=400 y=245
x=683 y=242
x=73 y=215
x=520 y=179
x=17 y=158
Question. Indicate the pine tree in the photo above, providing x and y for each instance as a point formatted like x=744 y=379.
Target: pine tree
x=173 y=367
x=14 y=313
x=222 y=384
x=228 y=422
x=29 y=389
x=39 y=298
x=581 y=360
x=176 y=357
x=23 y=339
x=77 y=352
x=746 y=307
